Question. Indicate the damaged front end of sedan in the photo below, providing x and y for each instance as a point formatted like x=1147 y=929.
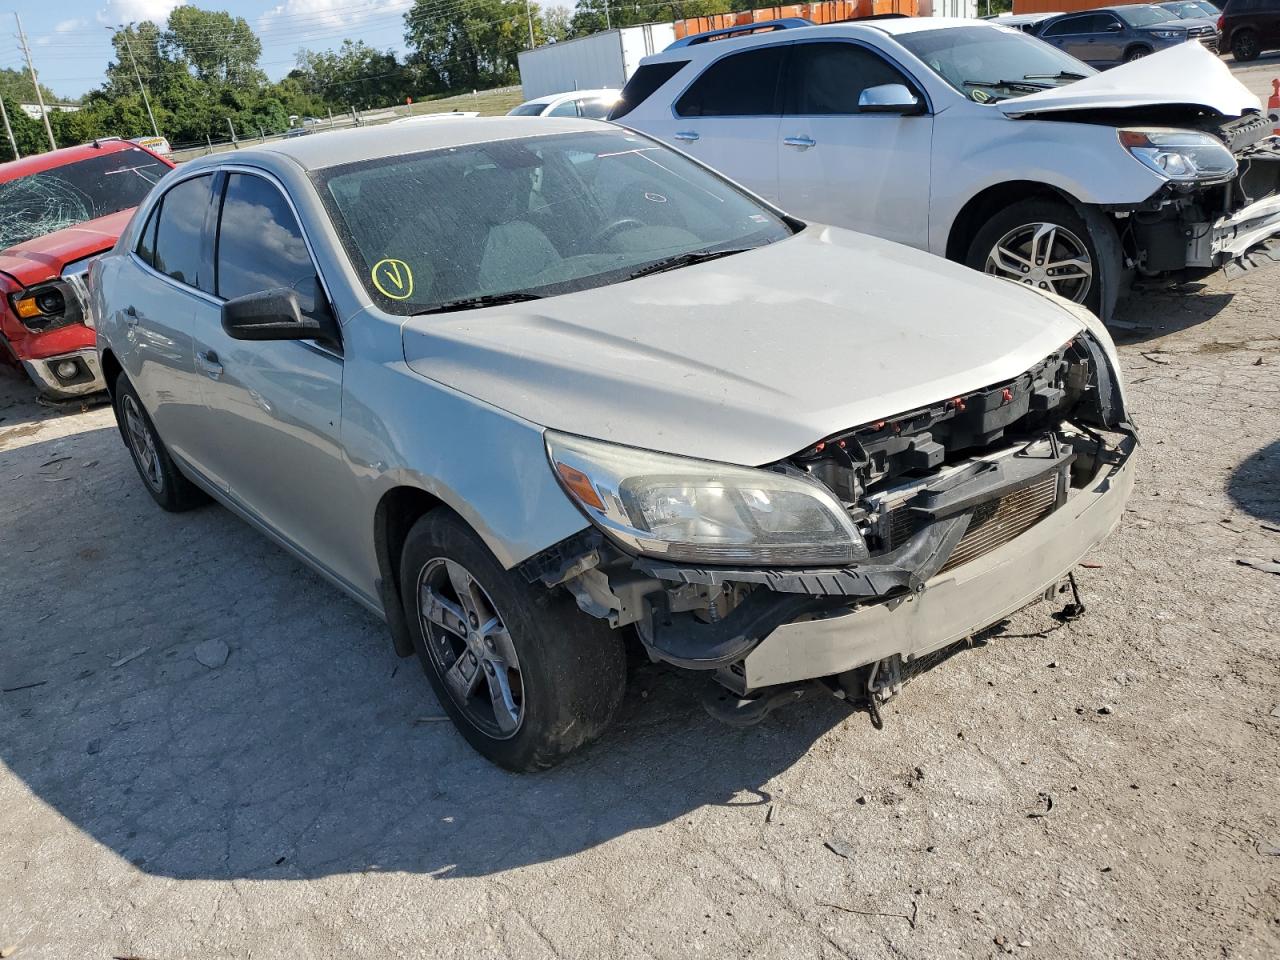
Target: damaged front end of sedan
x=861 y=556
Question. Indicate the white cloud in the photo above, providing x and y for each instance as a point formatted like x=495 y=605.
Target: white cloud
x=135 y=11
x=66 y=26
x=303 y=16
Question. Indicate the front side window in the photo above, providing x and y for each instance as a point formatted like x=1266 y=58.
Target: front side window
x=532 y=217
x=988 y=64
x=567 y=109
x=76 y=192
x=740 y=85
x=828 y=78
x=260 y=245
x=180 y=233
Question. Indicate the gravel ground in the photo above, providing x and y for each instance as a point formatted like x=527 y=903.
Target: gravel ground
x=302 y=799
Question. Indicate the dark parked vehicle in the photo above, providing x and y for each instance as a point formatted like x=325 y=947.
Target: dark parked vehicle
x=1112 y=35
x=1192 y=9
x=1250 y=27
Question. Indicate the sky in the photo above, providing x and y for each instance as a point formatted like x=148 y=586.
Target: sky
x=70 y=40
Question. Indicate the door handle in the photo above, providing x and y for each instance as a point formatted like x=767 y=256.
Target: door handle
x=686 y=135
x=804 y=143
x=208 y=362
x=131 y=316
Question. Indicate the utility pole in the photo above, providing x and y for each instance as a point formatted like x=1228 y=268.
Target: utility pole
x=607 y=24
x=9 y=130
x=234 y=142
x=124 y=32
x=22 y=38
x=528 y=12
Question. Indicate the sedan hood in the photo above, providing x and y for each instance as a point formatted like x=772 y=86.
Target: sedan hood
x=44 y=257
x=1185 y=75
x=750 y=358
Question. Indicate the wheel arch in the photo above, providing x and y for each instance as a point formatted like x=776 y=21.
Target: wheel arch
x=1139 y=45
x=111 y=370
x=984 y=204
x=394 y=516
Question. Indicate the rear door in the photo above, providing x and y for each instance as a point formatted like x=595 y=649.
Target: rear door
x=274 y=407
x=1073 y=35
x=168 y=279
x=836 y=164
x=728 y=118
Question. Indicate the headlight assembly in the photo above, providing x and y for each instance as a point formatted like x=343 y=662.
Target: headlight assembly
x=1168 y=34
x=1181 y=155
x=697 y=511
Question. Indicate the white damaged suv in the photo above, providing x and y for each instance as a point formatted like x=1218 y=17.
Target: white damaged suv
x=982 y=144
x=527 y=390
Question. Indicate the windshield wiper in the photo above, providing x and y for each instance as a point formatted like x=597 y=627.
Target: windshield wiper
x=684 y=260
x=487 y=300
x=1060 y=75
x=1008 y=84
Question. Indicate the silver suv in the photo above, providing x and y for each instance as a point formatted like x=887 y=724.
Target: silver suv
x=526 y=393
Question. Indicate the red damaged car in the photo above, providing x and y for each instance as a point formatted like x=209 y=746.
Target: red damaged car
x=58 y=211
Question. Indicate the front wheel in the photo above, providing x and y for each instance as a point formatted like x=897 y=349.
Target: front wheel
x=161 y=476
x=1043 y=244
x=1245 y=46
x=525 y=675
x=1135 y=53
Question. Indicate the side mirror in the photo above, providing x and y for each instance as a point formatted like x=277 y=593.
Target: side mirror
x=1113 y=27
x=275 y=314
x=888 y=98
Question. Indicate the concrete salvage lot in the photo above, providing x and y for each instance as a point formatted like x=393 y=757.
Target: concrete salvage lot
x=301 y=799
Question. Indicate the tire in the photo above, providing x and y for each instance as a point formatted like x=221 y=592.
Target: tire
x=1018 y=227
x=1245 y=46
x=569 y=673
x=159 y=474
x=1136 y=53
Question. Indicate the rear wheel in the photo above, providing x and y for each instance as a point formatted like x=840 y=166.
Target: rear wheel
x=1245 y=45
x=524 y=674
x=1042 y=243
x=1136 y=53
x=160 y=475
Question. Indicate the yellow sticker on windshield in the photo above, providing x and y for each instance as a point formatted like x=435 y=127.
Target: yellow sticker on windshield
x=393 y=278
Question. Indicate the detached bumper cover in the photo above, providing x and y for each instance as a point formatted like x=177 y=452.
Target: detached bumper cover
x=952 y=605
x=1236 y=233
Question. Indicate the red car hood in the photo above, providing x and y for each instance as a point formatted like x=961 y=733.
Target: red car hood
x=44 y=257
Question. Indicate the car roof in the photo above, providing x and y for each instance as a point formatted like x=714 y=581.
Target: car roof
x=334 y=148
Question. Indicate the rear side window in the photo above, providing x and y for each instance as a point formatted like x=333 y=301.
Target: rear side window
x=567 y=109
x=260 y=245
x=180 y=232
x=147 y=238
x=642 y=84
x=828 y=78
x=740 y=85
x=1065 y=27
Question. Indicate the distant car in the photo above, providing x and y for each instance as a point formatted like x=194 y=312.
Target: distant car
x=62 y=209
x=1113 y=35
x=588 y=104
x=1250 y=27
x=297 y=132
x=1192 y=10
x=157 y=145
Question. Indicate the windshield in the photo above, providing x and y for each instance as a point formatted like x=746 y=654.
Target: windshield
x=1188 y=11
x=531 y=217
x=1143 y=16
x=61 y=197
x=988 y=63
x=531 y=109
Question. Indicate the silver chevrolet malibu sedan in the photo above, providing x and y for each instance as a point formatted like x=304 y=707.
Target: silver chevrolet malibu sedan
x=531 y=389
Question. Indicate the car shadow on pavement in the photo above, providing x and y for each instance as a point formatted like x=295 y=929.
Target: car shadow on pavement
x=1153 y=314
x=311 y=750
x=1254 y=486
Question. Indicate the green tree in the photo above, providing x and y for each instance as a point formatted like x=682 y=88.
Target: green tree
x=354 y=75
x=29 y=133
x=218 y=47
x=16 y=84
x=557 y=23
x=470 y=47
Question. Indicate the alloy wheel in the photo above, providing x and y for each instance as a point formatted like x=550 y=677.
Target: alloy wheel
x=470 y=647
x=1044 y=255
x=143 y=444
